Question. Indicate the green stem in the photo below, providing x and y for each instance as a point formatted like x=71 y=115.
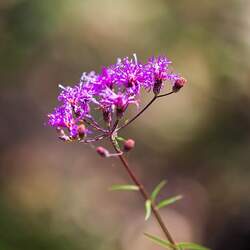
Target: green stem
x=145 y=195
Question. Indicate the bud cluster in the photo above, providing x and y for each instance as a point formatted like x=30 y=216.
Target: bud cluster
x=127 y=146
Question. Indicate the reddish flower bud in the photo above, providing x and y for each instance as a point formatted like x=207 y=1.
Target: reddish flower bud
x=179 y=83
x=102 y=151
x=81 y=130
x=129 y=144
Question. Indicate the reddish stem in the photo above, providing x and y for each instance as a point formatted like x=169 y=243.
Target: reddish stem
x=145 y=195
x=144 y=109
x=137 y=115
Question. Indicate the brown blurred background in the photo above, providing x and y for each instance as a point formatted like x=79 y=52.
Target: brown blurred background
x=54 y=195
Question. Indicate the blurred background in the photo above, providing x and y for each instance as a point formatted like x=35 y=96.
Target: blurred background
x=54 y=195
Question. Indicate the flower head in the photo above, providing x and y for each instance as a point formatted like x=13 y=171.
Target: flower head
x=157 y=69
x=129 y=75
x=111 y=92
x=117 y=101
x=62 y=117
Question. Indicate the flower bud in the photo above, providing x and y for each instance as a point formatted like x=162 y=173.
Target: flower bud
x=157 y=86
x=128 y=145
x=179 y=83
x=121 y=106
x=81 y=129
x=102 y=151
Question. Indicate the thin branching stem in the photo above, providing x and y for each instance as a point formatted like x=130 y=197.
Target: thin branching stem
x=144 y=109
x=169 y=93
x=138 y=114
x=144 y=195
x=114 y=126
x=94 y=125
x=95 y=139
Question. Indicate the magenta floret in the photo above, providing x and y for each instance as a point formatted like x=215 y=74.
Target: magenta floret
x=111 y=92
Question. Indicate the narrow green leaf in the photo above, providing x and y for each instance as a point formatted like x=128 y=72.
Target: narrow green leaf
x=191 y=246
x=157 y=190
x=116 y=143
x=164 y=243
x=124 y=188
x=119 y=138
x=148 y=209
x=169 y=201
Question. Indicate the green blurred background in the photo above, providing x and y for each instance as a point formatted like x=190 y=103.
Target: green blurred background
x=54 y=195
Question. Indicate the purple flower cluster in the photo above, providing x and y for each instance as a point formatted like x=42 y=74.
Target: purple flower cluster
x=110 y=92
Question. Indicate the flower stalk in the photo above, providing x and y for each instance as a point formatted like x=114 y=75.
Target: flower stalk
x=110 y=93
x=144 y=109
x=144 y=194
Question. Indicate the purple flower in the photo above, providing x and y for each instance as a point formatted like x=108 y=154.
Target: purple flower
x=107 y=78
x=87 y=78
x=62 y=117
x=78 y=97
x=157 y=69
x=119 y=101
x=110 y=92
x=129 y=75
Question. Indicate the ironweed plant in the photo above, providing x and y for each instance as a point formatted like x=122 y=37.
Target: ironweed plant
x=94 y=110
